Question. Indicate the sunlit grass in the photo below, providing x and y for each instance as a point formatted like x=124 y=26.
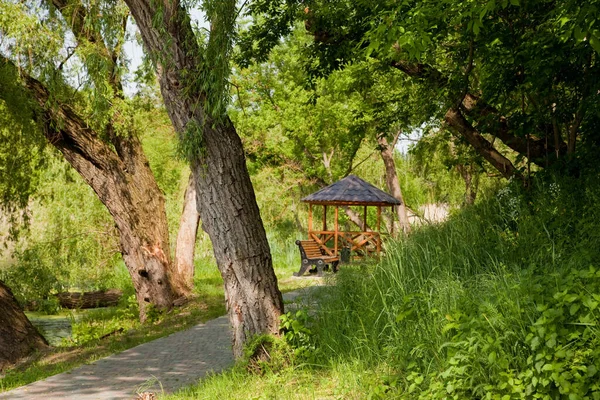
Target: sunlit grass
x=124 y=329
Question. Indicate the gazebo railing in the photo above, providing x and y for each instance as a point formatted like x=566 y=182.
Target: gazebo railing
x=366 y=242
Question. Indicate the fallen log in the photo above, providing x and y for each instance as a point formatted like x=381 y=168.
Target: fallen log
x=100 y=298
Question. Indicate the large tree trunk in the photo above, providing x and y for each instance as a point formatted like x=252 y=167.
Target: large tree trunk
x=18 y=338
x=186 y=237
x=226 y=199
x=118 y=172
x=231 y=218
x=391 y=180
x=124 y=183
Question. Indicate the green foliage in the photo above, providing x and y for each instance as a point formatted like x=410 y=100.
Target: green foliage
x=20 y=153
x=97 y=323
x=535 y=63
x=297 y=334
x=499 y=302
x=266 y=354
x=71 y=242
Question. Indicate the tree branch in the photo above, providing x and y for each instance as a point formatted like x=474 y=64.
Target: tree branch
x=458 y=123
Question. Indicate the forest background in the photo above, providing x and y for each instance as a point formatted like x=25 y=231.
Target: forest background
x=493 y=89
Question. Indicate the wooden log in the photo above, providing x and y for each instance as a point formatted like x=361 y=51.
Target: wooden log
x=101 y=298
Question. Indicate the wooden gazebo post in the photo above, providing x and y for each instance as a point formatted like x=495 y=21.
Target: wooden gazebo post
x=392 y=222
x=378 y=230
x=336 y=233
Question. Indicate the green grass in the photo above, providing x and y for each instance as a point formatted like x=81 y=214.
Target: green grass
x=87 y=346
x=337 y=381
x=502 y=301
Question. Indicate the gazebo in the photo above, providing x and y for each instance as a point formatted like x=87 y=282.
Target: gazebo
x=350 y=191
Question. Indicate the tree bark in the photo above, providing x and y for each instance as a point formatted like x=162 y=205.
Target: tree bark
x=120 y=174
x=124 y=183
x=186 y=236
x=231 y=218
x=391 y=180
x=100 y=298
x=18 y=337
x=226 y=199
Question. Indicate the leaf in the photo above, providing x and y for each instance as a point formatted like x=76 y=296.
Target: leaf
x=595 y=43
x=492 y=357
x=574 y=308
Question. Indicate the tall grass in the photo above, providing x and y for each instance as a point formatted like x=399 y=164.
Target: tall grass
x=456 y=309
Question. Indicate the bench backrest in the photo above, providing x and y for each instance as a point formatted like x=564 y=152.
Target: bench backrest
x=309 y=249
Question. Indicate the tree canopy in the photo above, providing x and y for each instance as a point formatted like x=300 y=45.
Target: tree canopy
x=525 y=73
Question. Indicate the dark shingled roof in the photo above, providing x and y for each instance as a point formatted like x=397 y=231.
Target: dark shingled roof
x=351 y=191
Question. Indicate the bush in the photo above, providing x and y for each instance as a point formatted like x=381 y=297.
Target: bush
x=499 y=302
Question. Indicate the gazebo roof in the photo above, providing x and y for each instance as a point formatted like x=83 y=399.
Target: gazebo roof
x=351 y=191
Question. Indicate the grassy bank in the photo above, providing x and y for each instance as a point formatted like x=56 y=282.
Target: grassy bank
x=499 y=302
x=106 y=331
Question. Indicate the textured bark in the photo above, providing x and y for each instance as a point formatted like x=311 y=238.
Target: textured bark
x=117 y=171
x=18 y=338
x=391 y=180
x=100 y=298
x=124 y=183
x=186 y=237
x=226 y=199
x=231 y=218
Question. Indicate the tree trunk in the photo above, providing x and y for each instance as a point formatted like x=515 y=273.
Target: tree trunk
x=186 y=237
x=18 y=337
x=124 y=183
x=231 y=218
x=391 y=180
x=471 y=182
x=226 y=199
x=100 y=298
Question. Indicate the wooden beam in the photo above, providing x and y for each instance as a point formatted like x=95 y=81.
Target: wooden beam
x=324 y=218
x=365 y=219
x=378 y=230
x=392 y=221
x=335 y=238
x=310 y=218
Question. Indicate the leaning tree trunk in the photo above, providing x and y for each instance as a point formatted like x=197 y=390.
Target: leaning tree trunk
x=186 y=236
x=124 y=183
x=18 y=338
x=231 y=218
x=226 y=199
x=391 y=180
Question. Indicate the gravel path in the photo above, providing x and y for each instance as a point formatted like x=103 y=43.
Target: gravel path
x=163 y=365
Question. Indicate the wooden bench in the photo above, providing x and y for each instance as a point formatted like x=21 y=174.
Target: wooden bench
x=312 y=254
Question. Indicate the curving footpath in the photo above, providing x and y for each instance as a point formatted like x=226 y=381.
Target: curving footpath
x=161 y=366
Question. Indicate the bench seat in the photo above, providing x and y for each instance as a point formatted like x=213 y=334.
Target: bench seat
x=312 y=255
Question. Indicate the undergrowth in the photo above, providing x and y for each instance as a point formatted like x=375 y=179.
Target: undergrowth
x=500 y=302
